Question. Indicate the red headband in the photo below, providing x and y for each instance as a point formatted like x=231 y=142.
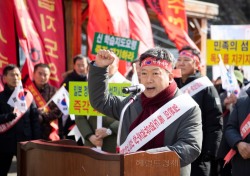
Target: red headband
x=190 y=55
x=150 y=61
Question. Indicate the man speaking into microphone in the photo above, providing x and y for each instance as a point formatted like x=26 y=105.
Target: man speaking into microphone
x=177 y=123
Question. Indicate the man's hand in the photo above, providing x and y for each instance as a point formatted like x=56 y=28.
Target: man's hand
x=101 y=133
x=95 y=141
x=104 y=58
x=244 y=149
x=230 y=100
x=10 y=117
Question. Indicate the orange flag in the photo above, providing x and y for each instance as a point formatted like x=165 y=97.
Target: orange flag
x=172 y=15
x=140 y=26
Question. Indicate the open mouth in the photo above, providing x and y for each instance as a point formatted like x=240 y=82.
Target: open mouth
x=150 y=88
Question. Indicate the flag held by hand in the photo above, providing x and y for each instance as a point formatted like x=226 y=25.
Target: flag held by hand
x=61 y=99
x=18 y=99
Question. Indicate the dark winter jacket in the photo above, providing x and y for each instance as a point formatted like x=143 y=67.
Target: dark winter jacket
x=240 y=111
x=47 y=91
x=27 y=128
x=209 y=102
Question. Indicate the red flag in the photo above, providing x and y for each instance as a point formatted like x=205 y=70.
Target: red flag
x=8 y=50
x=40 y=31
x=119 y=18
x=172 y=15
x=140 y=26
x=1 y=86
x=108 y=17
x=118 y=13
x=99 y=21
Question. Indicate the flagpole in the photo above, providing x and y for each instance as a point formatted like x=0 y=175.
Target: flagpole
x=51 y=99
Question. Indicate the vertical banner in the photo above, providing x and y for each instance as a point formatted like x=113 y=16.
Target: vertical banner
x=8 y=48
x=172 y=15
x=40 y=29
x=140 y=26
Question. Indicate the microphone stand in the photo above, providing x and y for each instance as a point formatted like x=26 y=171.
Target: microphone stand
x=132 y=99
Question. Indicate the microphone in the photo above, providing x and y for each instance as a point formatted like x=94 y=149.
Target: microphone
x=134 y=89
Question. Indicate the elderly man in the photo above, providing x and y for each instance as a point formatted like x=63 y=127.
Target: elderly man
x=79 y=73
x=182 y=135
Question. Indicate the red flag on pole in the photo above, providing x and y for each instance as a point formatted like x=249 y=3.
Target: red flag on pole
x=140 y=26
x=108 y=17
x=99 y=21
x=119 y=18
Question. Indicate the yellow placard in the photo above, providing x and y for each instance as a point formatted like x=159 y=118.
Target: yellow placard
x=79 y=97
x=233 y=52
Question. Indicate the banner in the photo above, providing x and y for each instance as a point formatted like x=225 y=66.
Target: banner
x=230 y=32
x=79 y=97
x=8 y=49
x=40 y=30
x=173 y=18
x=124 y=48
x=140 y=26
x=233 y=52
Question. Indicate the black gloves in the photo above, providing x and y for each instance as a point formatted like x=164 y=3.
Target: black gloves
x=11 y=116
x=8 y=118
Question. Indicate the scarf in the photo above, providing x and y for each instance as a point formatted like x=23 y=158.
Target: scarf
x=150 y=105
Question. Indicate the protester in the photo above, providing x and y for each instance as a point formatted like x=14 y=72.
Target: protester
x=79 y=73
x=204 y=93
x=27 y=126
x=184 y=135
x=106 y=136
x=45 y=92
x=237 y=135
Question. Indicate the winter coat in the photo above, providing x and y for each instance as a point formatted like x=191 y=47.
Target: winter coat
x=240 y=111
x=27 y=128
x=212 y=122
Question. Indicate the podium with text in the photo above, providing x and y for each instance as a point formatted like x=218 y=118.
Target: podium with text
x=66 y=158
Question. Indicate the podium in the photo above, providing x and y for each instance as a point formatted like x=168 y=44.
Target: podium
x=66 y=158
